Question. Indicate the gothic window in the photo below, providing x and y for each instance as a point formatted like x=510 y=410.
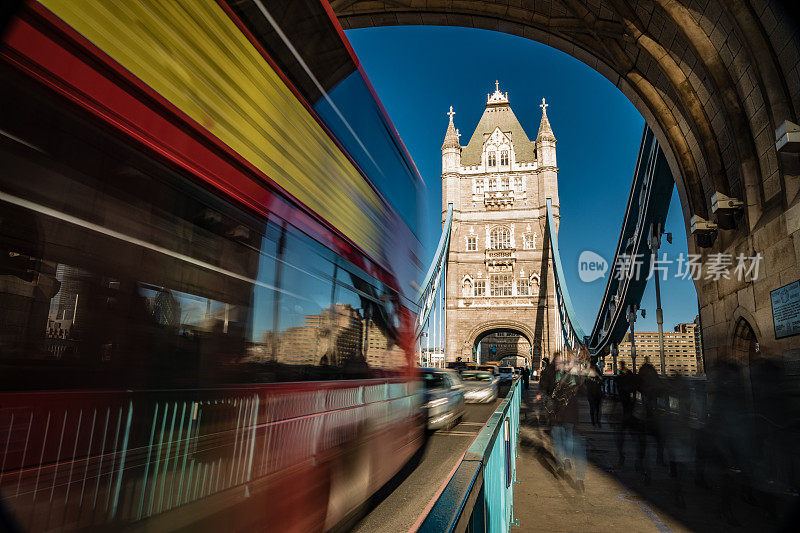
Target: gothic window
x=478 y=186
x=472 y=243
x=504 y=157
x=529 y=241
x=500 y=285
x=523 y=287
x=505 y=184
x=467 y=287
x=518 y=184
x=500 y=238
x=492 y=184
x=492 y=159
x=480 y=287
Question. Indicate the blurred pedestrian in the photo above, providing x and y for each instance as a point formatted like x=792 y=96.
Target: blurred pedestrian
x=649 y=384
x=626 y=389
x=594 y=391
x=569 y=448
x=526 y=377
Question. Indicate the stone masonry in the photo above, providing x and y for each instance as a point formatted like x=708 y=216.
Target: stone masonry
x=714 y=79
x=499 y=273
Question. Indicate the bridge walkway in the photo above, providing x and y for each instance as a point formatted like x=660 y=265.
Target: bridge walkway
x=615 y=499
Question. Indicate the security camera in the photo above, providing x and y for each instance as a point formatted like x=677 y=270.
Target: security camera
x=726 y=209
x=704 y=231
x=787 y=137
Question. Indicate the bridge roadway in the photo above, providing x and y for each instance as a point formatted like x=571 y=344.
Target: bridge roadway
x=407 y=498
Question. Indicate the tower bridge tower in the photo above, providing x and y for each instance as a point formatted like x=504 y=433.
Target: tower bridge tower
x=500 y=280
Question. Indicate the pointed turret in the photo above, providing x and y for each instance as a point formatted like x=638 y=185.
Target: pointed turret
x=545 y=131
x=546 y=158
x=451 y=148
x=545 y=141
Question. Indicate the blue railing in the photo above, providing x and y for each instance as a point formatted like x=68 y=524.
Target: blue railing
x=480 y=495
x=571 y=331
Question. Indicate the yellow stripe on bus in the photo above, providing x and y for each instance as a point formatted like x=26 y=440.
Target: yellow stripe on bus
x=192 y=53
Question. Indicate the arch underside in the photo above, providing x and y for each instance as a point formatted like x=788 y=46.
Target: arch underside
x=486 y=328
x=675 y=64
x=712 y=78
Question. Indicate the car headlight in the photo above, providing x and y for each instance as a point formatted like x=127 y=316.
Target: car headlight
x=436 y=403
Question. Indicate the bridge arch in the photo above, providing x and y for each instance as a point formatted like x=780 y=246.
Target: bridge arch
x=712 y=82
x=484 y=329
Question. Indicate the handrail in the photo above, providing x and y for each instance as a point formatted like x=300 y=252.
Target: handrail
x=480 y=494
x=439 y=257
x=562 y=292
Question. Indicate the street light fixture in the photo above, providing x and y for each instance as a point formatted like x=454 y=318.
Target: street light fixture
x=655 y=243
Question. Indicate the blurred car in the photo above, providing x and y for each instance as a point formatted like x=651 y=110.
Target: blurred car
x=444 y=397
x=506 y=373
x=492 y=369
x=479 y=386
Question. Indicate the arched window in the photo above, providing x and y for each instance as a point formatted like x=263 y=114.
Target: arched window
x=491 y=160
x=504 y=183
x=478 y=186
x=523 y=287
x=480 y=287
x=493 y=184
x=529 y=241
x=504 y=157
x=500 y=238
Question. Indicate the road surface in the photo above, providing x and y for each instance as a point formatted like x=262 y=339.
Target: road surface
x=414 y=489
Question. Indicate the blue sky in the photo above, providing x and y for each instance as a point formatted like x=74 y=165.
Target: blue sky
x=419 y=72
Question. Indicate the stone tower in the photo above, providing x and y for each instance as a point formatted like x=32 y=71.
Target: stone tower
x=499 y=277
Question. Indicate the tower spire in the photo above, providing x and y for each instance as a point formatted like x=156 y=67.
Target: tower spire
x=545 y=131
x=451 y=135
x=497 y=97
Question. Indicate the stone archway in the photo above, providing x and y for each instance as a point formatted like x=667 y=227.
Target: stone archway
x=744 y=343
x=485 y=329
x=713 y=82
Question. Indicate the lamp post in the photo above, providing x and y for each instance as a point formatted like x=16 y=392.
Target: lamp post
x=614 y=353
x=631 y=314
x=655 y=244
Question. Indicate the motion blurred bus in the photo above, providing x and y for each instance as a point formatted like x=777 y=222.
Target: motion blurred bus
x=207 y=252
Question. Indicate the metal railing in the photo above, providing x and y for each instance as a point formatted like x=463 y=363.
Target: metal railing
x=572 y=336
x=480 y=495
x=431 y=323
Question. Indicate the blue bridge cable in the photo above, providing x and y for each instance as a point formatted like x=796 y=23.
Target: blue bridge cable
x=437 y=264
x=560 y=281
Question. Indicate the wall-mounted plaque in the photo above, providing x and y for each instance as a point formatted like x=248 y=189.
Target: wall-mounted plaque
x=786 y=310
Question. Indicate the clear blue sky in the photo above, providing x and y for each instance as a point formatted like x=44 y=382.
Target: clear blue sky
x=419 y=72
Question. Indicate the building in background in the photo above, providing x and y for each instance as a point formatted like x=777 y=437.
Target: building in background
x=681 y=350
x=698 y=339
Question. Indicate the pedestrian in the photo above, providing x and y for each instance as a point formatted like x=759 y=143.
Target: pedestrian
x=569 y=448
x=526 y=377
x=649 y=384
x=594 y=391
x=626 y=389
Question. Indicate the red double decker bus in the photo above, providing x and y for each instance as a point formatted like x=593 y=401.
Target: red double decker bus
x=207 y=253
